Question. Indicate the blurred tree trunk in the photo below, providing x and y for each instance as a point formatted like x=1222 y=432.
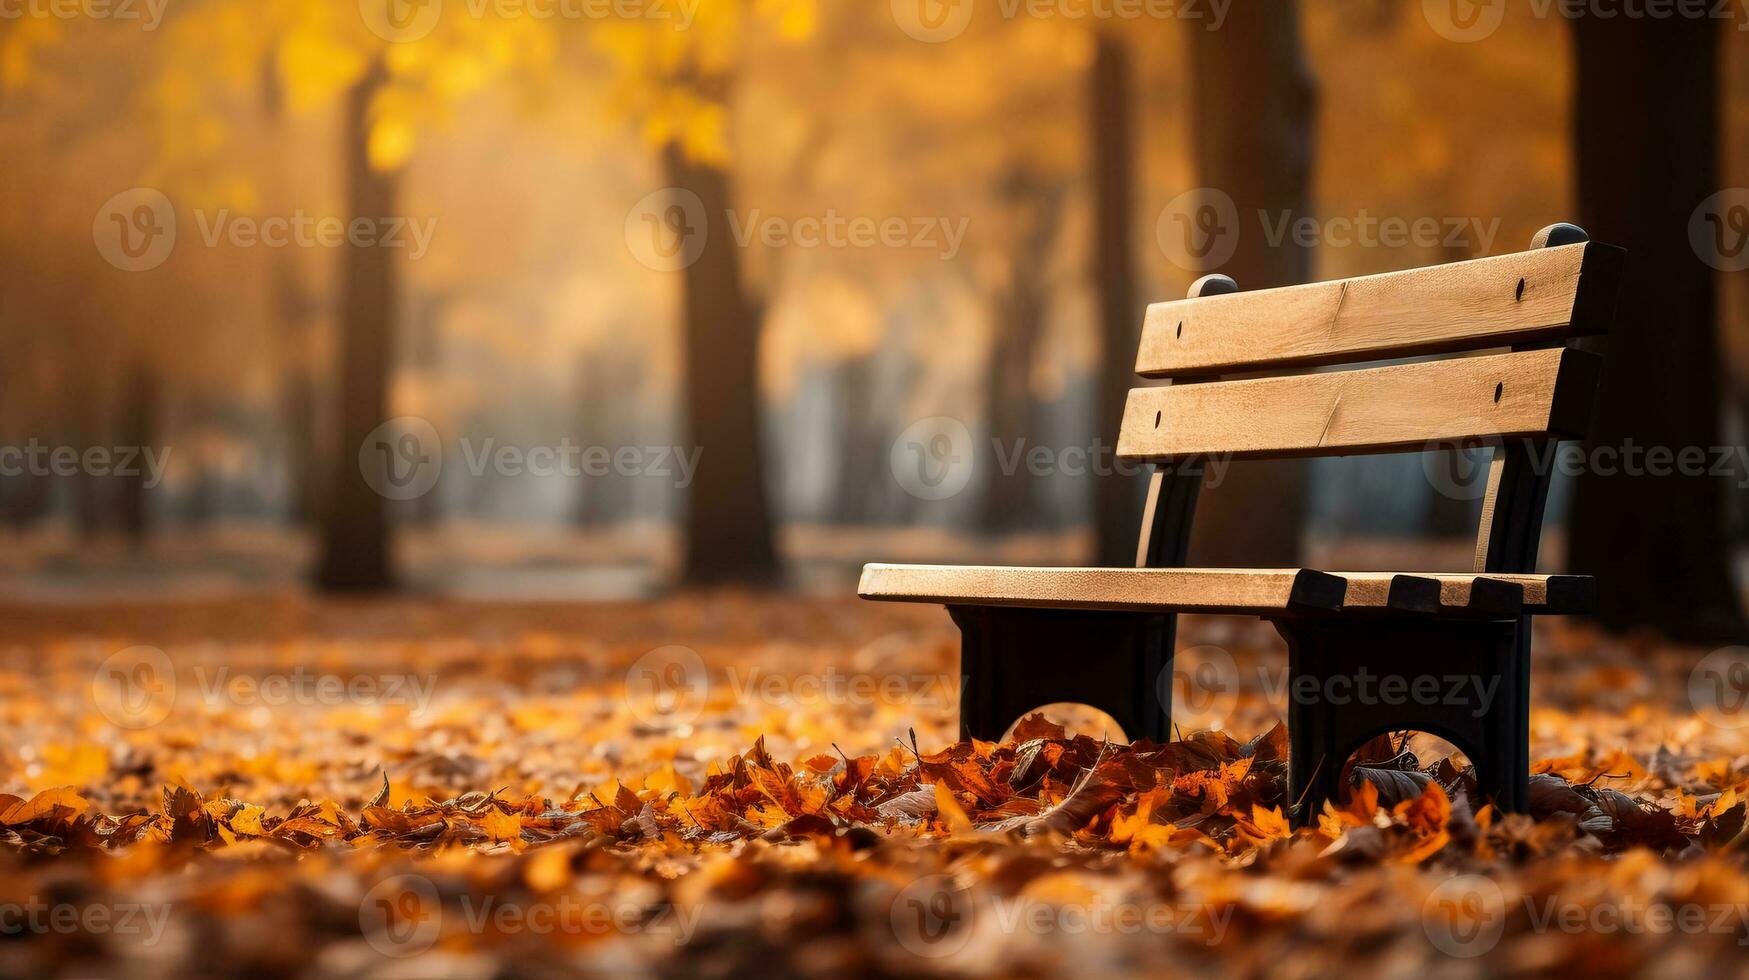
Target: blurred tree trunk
x=355 y=531
x=296 y=311
x=298 y=390
x=1254 y=113
x=1647 y=156
x=1116 y=499
x=90 y=501
x=604 y=421
x=140 y=422
x=860 y=455
x=1010 y=410
x=729 y=537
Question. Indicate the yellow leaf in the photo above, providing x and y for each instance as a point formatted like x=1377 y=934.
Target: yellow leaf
x=248 y=820
x=62 y=803
x=949 y=810
x=1272 y=822
x=501 y=826
x=1726 y=801
x=668 y=780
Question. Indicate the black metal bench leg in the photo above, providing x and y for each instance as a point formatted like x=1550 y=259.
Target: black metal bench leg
x=1013 y=661
x=1350 y=680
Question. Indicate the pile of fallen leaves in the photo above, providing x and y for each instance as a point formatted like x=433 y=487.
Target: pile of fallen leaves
x=839 y=842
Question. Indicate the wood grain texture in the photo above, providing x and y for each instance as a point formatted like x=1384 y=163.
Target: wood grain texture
x=1567 y=291
x=1401 y=407
x=1229 y=590
x=1224 y=590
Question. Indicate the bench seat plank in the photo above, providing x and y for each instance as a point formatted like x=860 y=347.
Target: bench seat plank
x=1243 y=591
x=1224 y=590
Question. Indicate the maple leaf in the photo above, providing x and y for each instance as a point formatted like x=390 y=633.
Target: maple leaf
x=1426 y=817
x=1262 y=826
x=500 y=825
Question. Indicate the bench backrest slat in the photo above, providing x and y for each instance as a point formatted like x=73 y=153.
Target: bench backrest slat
x=1384 y=409
x=1493 y=302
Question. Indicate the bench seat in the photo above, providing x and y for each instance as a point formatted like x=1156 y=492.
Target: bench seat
x=1243 y=591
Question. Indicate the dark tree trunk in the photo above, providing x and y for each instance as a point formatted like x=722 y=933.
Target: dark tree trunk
x=141 y=426
x=1647 y=148
x=1010 y=411
x=355 y=529
x=1116 y=499
x=1254 y=109
x=297 y=392
x=729 y=536
x=90 y=497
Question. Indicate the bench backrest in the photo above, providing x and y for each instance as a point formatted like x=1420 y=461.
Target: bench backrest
x=1535 y=391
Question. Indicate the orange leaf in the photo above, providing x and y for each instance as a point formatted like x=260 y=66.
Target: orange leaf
x=59 y=805
x=950 y=811
x=501 y=826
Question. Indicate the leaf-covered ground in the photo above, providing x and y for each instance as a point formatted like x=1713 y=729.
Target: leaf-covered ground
x=723 y=785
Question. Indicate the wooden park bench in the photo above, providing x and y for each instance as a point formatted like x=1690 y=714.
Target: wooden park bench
x=1104 y=636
